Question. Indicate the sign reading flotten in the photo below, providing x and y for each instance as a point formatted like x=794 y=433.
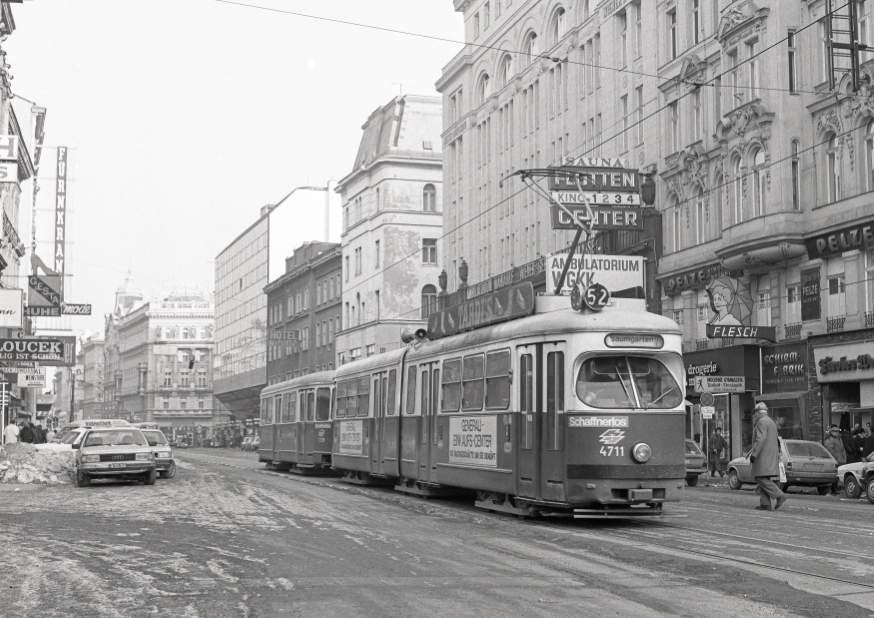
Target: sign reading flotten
x=351 y=438
x=614 y=272
x=473 y=440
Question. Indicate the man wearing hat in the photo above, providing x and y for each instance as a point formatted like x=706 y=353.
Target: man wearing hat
x=835 y=445
x=765 y=458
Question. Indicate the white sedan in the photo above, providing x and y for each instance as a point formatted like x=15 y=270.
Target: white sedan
x=855 y=476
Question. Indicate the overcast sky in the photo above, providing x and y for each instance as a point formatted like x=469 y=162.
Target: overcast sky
x=184 y=117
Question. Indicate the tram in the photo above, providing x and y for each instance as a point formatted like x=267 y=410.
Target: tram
x=556 y=413
x=296 y=430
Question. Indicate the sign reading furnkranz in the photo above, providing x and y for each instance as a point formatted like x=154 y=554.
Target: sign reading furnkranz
x=32 y=349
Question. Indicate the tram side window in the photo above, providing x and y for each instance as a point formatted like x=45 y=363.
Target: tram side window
x=311 y=405
x=392 y=389
x=498 y=380
x=267 y=411
x=410 y=407
x=363 y=396
x=472 y=385
x=352 y=398
x=323 y=404
x=451 y=385
x=290 y=408
x=554 y=397
x=340 y=395
x=303 y=406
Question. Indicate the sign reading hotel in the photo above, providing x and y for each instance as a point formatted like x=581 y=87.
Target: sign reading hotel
x=61 y=215
x=615 y=272
x=8 y=158
x=473 y=440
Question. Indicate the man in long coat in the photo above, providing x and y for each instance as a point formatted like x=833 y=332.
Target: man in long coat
x=765 y=458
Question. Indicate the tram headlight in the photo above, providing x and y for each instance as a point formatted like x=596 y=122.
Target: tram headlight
x=641 y=452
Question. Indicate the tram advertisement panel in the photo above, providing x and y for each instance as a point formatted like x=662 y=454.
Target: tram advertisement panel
x=473 y=440
x=351 y=438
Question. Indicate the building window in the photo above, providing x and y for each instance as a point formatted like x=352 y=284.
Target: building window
x=763 y=308
x=358 y=261
x=347 y=268
x=862 y=17
x=201 y=377
x=487 y=17
x=429 y=251
x=184 y=379
x=559 y=27
x=485 y=89
x=700 y=218
x=532 y=48
x=624 y=106
x=639 y=115
x=678 y=316
x=622 y=24
x=673 y=111
x=737 y=190
x=166 y=404
x=836 y=296
x=793 y=303
x=759 y=183
x=833 y=170
x=476 y=26
x=869 y=281
x=429 y=301
x=376 y=254
x=200 y=404
x=168 y=378
x=506 y=71
x=753 y=63
x=696 y=115
x=370 y=350
x=183 y=404
x=678 y=229
x=796 y=174
x=429 y=198
x=696 y=22
x=672 y=34
x=793 y=62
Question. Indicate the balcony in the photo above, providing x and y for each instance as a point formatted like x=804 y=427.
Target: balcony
x=835 y=324
x=869 y=319
x=702 y=344
x=792 y=331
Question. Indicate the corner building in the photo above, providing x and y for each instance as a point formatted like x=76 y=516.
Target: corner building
x=764 y=179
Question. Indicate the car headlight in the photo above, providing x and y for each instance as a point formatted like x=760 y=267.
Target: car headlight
x=641 y=452
x=164 y=453
x=90 y=458
x=142 y=456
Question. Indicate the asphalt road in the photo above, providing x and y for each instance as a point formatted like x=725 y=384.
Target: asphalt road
x=228 y=538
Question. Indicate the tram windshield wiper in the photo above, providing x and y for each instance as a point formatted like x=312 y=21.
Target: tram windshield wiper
x=624 y=385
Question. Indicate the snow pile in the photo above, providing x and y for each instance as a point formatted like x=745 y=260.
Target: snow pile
x=24 y=463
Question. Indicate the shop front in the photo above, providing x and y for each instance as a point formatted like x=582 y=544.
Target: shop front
x=784 y=388
x=842 y=380
x=732 y=376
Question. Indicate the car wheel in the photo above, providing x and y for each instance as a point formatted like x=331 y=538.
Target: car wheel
x=691 y=481
x=734 y=479
x=852 y=488
x=83 y=479
x=150 y=477
x=170 y=472
x=823 y=490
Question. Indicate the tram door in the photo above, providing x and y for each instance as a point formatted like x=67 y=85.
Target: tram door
x=430 y=384
x=300 y=427
x=541 y=411
x=376 y=445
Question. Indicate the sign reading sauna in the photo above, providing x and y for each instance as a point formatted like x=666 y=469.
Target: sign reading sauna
x=473 y=440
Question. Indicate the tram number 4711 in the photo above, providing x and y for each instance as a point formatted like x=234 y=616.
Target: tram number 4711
x=614 y=451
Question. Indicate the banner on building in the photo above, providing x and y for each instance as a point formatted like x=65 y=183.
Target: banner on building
x=810 y=294
x=11 y=308
x=61 y=215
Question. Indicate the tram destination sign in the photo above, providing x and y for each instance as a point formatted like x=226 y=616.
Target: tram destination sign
x=508 y=303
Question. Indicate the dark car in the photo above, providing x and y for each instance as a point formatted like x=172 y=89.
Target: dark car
x=696 y=463
x=807 y=463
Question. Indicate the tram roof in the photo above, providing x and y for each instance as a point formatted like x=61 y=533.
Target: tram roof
x=319 y=378
x=557 y=322
x=391 y=357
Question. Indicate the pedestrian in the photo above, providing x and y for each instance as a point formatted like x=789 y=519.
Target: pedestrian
x=857 y=443
x=50 y=435
x=715 y=447
x=39 y=434
x=11 y=432
x=835 y=445
x=847 y=439
x=765 y=458
x=26 y=433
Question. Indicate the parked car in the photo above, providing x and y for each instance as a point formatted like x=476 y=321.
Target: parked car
x=164 y=462
x=696 y=463
x=256 y=442
x=856 y=477
x=247 y=443
x=807 y=463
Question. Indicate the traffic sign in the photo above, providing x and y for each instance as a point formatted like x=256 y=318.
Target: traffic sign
x=706 y=398
x=720 y=384
x=596 y=297
x=707 y=412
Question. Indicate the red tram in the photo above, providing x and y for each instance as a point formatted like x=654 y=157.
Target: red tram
x=558 y=413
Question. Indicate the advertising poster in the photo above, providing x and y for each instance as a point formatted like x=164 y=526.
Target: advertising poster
x=473 y=440
x=615 y=272
x=810 y=294
x=351 y=438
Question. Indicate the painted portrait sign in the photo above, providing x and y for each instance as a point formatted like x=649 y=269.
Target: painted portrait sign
x=732 y=307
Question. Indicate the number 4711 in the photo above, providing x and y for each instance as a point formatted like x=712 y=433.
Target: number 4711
x=615 y=451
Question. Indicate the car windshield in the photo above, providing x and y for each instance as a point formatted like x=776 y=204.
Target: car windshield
x=692 y=448
x=70 y=437
x=627 y=382
x=116 y=437
x=806 y=449
x=155 y=437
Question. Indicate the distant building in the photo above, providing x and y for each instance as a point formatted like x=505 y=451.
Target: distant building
x=90 y=405
x=392 y=227
x=242 y=270
x=303 y=312
x=158 y=362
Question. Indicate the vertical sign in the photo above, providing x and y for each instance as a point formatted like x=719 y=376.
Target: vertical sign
x=4 y=404
x=810 y=294
x=61 y=213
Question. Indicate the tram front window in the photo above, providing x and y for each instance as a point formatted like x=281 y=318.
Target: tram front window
x=627 y=382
